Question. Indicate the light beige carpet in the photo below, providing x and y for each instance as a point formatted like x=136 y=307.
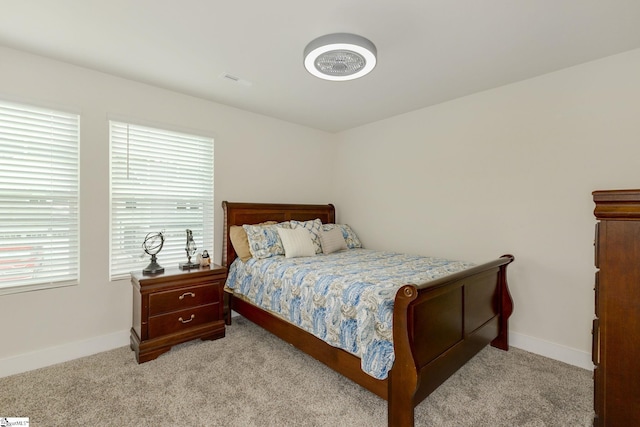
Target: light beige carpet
x=251 y=378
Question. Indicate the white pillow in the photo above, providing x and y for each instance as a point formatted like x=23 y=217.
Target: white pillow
x=332 y=240
x=348 y=234
x=314 y=227
x=297 y=242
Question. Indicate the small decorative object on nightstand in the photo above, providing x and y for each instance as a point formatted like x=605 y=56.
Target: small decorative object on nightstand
x=190 y=249
x=204 y=259
x=175 y=307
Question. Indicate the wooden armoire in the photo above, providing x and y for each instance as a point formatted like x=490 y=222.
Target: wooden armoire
x=616 y=327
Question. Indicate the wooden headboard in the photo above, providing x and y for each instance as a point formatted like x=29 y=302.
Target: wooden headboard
x=254 y=213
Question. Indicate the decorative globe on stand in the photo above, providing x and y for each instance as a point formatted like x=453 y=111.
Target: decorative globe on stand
x=152 y=244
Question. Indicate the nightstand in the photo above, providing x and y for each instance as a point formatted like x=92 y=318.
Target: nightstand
x=175 y=307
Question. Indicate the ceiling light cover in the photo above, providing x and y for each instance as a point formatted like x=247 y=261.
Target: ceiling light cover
x=340 y=57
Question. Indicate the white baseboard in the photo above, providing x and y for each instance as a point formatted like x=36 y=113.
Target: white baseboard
x=62 y=353
x=551 y=350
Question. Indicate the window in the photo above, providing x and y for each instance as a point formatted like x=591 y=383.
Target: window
x=160 y=181
x=38 y=198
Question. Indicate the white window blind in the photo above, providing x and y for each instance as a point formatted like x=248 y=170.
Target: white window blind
x=38 y=198
x=160 y=181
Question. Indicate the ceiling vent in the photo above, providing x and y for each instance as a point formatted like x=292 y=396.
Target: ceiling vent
x=235 y=79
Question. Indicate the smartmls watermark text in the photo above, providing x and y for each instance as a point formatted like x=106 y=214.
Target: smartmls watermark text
x=14 y=422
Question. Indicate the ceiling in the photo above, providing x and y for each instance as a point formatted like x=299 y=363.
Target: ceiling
x=429 y=51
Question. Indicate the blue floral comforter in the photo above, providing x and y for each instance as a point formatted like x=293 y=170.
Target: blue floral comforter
x=344 y=298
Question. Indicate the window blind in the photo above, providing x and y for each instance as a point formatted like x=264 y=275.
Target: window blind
x=38 y=198
x=161 y=181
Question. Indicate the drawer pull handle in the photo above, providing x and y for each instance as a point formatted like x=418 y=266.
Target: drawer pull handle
x=193 y=316
x=187 y=293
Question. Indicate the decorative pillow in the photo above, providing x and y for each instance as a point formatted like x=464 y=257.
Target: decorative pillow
x=264 y=241
x=349 y=235
x=314 y=228
x=332 y=240
x=240 y=241
x=297 y=242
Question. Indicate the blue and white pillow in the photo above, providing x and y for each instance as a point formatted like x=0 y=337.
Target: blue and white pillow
x=264 y=240
x=349 y=235
x=313 y=227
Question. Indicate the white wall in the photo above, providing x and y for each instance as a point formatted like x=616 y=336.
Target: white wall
x=48 y=326
x=510 y=170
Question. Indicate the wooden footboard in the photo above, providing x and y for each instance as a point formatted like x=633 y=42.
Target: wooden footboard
x=437 y=326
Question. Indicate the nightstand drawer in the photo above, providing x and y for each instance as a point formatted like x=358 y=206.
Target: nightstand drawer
x=180 y=320
x=180 y=299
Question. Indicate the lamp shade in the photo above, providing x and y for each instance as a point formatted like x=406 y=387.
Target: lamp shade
x=340 y=57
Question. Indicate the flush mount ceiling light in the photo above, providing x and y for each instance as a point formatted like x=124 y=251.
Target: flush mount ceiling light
x=340 y=57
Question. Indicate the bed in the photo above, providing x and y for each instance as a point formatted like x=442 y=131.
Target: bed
x=437 y=326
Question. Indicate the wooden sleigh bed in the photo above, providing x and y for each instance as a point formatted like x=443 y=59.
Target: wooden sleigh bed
x=437 y=326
